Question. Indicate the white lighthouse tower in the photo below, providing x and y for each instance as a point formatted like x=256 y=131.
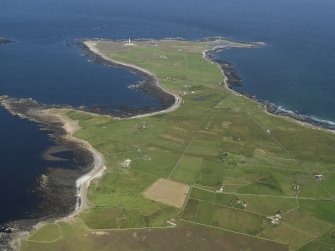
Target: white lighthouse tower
x=129 y=43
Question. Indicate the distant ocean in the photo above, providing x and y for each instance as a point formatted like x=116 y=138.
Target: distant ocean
x=294 y=71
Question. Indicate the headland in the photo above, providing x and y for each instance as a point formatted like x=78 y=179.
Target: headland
x=251 y=178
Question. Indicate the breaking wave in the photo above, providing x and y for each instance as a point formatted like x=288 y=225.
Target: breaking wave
x=311 y=119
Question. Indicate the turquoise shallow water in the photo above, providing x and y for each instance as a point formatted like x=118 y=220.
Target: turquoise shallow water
x=295 y=70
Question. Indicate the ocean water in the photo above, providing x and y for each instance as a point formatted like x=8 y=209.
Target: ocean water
x=18 y=147
x=295 y=70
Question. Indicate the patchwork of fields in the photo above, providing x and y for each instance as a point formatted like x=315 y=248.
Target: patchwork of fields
x=251 y=175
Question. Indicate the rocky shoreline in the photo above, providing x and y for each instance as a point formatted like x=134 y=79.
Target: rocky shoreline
x=63 y=181
x=148 y=85
x=56 y=187
x=5 y=41
x=233 y=81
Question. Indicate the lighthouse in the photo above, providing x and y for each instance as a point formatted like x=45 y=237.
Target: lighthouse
x=129 y=43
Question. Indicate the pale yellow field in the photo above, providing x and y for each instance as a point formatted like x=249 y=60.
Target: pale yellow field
x=168 y=192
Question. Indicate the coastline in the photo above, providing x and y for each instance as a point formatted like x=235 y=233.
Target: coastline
x=32 y=110
x=71 y=127
x=82 y=183
x=63 y=130
x=293 y=118
x=91 y=46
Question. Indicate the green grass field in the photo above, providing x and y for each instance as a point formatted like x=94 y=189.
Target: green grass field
x=215 y=139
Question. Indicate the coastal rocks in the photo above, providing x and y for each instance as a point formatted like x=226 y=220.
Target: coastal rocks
x=278 y=110
x=149 y=85
x=228 y=69
x=135 y=86
x=56 y=186
x=5 y=229
x=233 y=79
x=5 y=240
x=5 y=41
x=56 y=191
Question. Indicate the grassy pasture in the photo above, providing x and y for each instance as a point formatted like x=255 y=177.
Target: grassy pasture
x=48 y=233
x=214 y=138
x=238 y=220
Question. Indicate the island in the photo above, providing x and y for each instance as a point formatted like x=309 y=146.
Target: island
x=213 y=171
x=5 y=41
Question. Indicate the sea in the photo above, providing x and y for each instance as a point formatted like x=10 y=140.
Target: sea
x=294 y=71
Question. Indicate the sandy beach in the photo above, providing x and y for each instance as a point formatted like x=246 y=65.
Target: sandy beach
x=98 y=167
x=71 y=127
x=91 y=45
x=82 y=184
